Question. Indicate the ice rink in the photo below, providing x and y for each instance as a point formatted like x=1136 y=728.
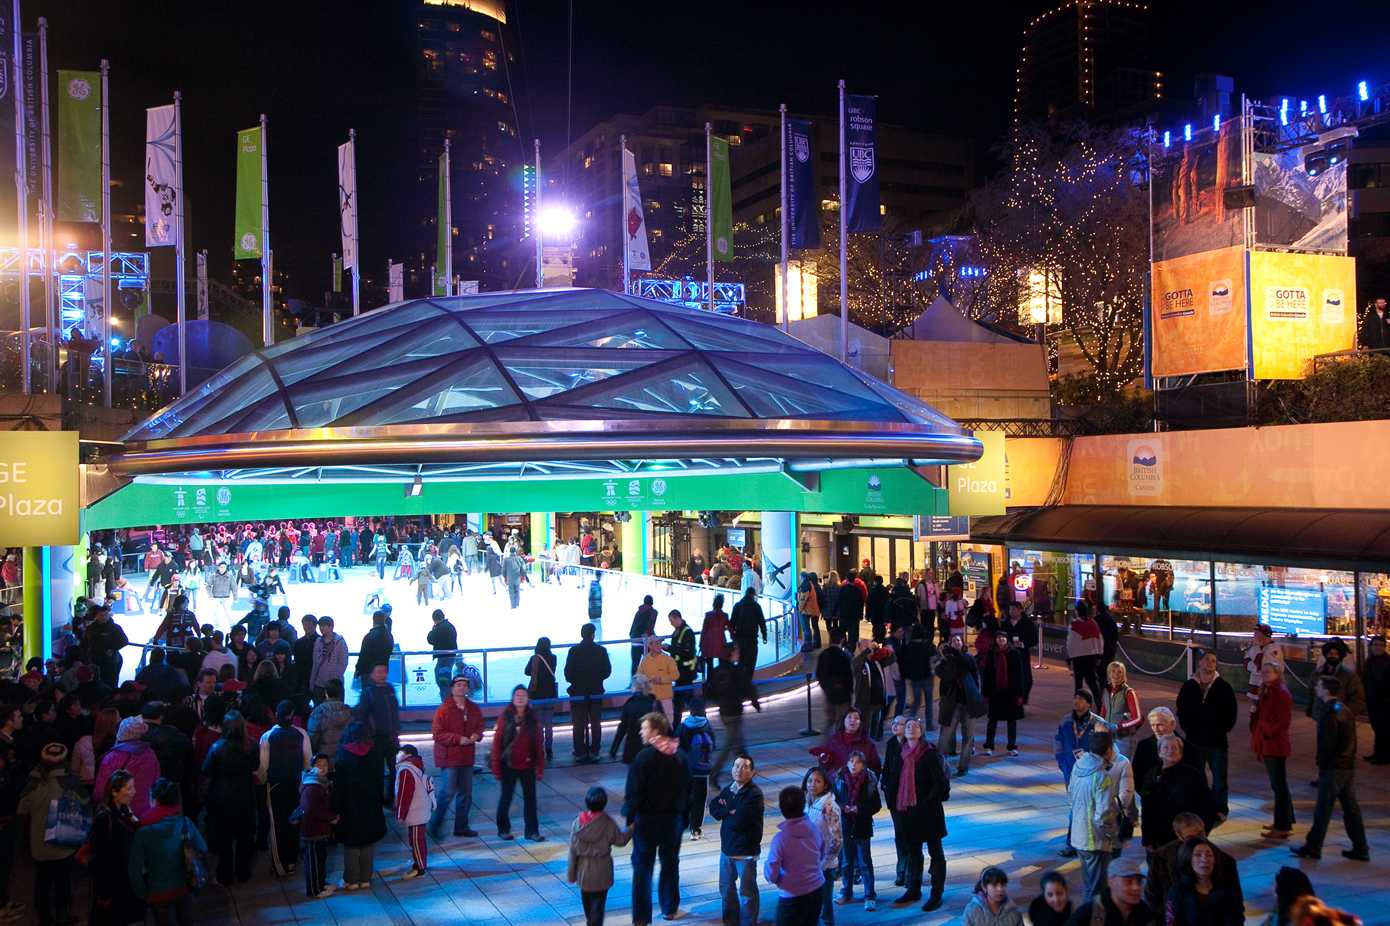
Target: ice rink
x=480 y=609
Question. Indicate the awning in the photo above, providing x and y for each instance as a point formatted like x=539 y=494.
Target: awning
x=1327 y=538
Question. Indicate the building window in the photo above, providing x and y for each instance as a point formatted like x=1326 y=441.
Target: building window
x=666 y=169
x=490 y=60
x=653 y=205
x=882 y=209
x=488 y=36
x=588 y=161
x=655 y=232
x=648 y=169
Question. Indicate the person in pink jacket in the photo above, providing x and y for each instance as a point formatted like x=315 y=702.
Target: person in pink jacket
x=136 y=757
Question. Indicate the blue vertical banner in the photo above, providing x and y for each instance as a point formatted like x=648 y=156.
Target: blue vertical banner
x=9 y=156
x=861 y=142
x=803 y=206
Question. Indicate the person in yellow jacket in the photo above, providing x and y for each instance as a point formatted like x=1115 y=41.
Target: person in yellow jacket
x=661 y=669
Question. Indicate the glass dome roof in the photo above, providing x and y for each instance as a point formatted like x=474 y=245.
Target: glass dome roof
x=533 y=356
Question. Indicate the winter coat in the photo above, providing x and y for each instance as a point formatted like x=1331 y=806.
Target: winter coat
x=834 y=755
x=849 y=606
x=113 y=897
x=1269 y=723
x=1073 y=736
x=714 y=633
x=540 y=669
x=414 y=792
x=1120 y=708
x=326 y=724
x=869 y=692
x=1163 y=874
x=977 y=913
x=835 y=675
x=138 y=759
x=357 y=794
x=747 y=621
x=450 y=726
x=378 y=709
x=628 y=735
x=1353 y=692
x=45 y=785
x=330 y=660
x=661 y=670
x=643 y=624
x=1169 y=792
x=796 y=859
x=927 y=819
x=824 y=812
x=586 y=668
x=1336 y=737
x=517 y=746
x=156 y=858
x=1222 y=907
x=1207 y=717
x=376 y=649
x=1006 y=701
x=231 y=796
x=658 y=782
x=740 y=816
x=952 y=670
x=591 y=852
x=915 y=655
x=316 y=819
x=857 y=810
x=1095 y=807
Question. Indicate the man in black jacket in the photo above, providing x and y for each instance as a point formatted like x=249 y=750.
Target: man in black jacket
x=443 y=639
x=376 y=648
x=849 y=610
x=586 y=668
x=1173 y=789
x=739 y=810
x=304 y=655
x=682 y=650
x=836 y=678
x=643 y=626
x=104 y=640
x=747 y=623
x=654 y=805
x=729 y=687
x=1207 y=712
x=1336 y=775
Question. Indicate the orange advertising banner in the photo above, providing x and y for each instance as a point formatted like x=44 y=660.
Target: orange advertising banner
x=1301 y=305
x=1198 y=313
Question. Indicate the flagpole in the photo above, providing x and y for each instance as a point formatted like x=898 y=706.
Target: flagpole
x=622 y=209
x=180 y=259
x=786 y=296
x=447 y=271
x=267 y=317
x=844 y=240
x=106 y=306
x=709 y=221
x=22 y=199
x=356 y=234
x=46 y=227
x=540 y=244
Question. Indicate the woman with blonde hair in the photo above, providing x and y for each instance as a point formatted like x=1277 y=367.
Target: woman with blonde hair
x=1119 y=705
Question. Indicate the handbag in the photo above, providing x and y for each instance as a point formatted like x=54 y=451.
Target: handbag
x=69 y=821
x=975 y=704
x=196 y=870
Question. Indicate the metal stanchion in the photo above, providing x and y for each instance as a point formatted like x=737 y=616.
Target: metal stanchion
x=810 y=729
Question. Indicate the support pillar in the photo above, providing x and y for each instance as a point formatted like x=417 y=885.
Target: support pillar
x=32 y=579
x=634 y=543
x=542 y=532
x=779 y=555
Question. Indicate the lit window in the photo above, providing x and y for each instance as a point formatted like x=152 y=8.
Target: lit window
x=490 y=60
x=656 y=232
x=666 y=169
x=882 y=209
x=488 y=36
x=760 y=219
x=588 y=161
x=653 y=205
x=648 y=170
x=829 y=204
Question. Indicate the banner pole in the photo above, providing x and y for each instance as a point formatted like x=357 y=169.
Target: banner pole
x=786 y=296
x=622 y=209
x=267 y=315
x=22 y=200
x=844 y=240
x=106 y=307
x=709 y=221
x=356 y=231
x=51 y=321
x=180 y=258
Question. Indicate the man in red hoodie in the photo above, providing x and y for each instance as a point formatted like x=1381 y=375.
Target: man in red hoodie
x=457 y=729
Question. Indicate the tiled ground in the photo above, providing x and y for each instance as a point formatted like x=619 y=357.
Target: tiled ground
x=1007 y=812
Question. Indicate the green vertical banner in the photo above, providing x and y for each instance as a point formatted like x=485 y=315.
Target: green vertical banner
x=721 y=213
x=337 y=274
x=248 y=234
x=79 y=146
x=441 y=259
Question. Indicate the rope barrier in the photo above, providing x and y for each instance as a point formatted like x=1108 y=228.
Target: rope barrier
x=1181 y=657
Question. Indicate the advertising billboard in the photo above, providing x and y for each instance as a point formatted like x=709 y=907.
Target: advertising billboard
x=1198 y=313
x=1296 y=210
x=39 y=496
x=1299 y=611
x=1301 y=305
x=1189 y=213
x=978 y=488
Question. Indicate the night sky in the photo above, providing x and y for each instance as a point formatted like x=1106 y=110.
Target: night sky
x=317 y=68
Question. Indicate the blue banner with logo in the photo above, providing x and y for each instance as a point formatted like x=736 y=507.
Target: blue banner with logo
x=861 y=186
x=803 y=206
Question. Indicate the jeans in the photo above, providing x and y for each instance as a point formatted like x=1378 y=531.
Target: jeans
x=738 y=890
x=1093 y=868
x=810 y=630
x=921 y=689
x=827 y=897
x=1334 y=785
x=1277 y=769
x=381 y=567
x=358 y=862
x=799 y=911
x=947 y=741
x=545 y=717
x=527 y=778
x=52 y=890
x=595 y=903
x=900 y=847
x=456 y=783
x=585 y=715
x=854 y=856
x=993 y=725
x=653 y=836
x=1219 y=761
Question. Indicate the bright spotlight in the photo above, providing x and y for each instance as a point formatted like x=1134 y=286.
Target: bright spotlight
x=1362 y=91
x=556 y=222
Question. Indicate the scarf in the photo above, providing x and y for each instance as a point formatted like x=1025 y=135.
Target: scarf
x=907 y=779
x=853 y=783
x=588 y=816
x=1001 y=669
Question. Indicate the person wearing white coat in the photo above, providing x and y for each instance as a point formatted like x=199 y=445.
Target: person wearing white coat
x=414 y=805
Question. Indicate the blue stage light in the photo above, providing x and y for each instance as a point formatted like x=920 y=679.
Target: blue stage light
x=1167 y=138
x=1303 y=107
x=1187 y=132
x=1216 y=123
x=1362 y=91
x=1284 y=111
x=1322 y=103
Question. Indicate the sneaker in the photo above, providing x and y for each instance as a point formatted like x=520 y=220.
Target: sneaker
x=870 y=905
x=536 y=837
x=1357 y=855
x=696 y=835
x=412 y=874
x=1013 y=752
x=911 y=897
x=989 y=750
x=505 y=836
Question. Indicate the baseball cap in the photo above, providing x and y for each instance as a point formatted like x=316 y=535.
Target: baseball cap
x=1125 y=868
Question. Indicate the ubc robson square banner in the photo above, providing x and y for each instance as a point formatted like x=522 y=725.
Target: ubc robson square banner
x=1301 y=305
x=1198 y=320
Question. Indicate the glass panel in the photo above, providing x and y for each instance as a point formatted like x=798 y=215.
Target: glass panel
x=636 y=333
x=476 y=386
x=881 y=561
x=902 y=556
x=544 y=372
x=686 y=389
x=497 y=325
x=773 y=396
x=1375 y=603
x=230 y=402
x=1168 y=597
x=712 y=337
x=172 y=422
x=373 y=351
x=864 y=550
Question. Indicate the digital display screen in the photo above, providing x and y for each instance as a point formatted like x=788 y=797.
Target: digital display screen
x=1293 y=610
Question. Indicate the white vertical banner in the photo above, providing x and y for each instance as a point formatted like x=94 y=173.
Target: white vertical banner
x=634 y=221
x=347 y=204
x=161 y=177
x=395 y=281
x=93 y=315
x=202 y=278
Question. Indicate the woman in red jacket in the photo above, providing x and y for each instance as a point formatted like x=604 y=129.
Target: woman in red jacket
x=518 y=755
x=457 y=728
x=1269 y=739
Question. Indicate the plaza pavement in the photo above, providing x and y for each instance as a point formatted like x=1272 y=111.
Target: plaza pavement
x=1007 y=811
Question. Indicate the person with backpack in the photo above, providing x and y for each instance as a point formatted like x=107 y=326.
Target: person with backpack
x=315 y=819
x=835 y=676
x=697 y=742
x=961 y=701
x=160 y=857
x=135 y=756
x=915 y=786
x=856 y=791
x=284 y=755
x=414 y=806
x=113 y=831
x=739 y=810
x=51 y=784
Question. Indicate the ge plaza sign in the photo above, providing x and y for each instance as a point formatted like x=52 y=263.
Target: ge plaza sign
x=39 y=488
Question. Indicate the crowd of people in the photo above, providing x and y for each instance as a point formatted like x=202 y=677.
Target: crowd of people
x=230 y=745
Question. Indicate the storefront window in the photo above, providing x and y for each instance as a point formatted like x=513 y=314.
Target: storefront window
x=1293 y=601
x=1046 y=581
x=1375 y=603
x=1164 y=596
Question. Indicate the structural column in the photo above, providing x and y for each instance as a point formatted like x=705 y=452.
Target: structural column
x=542 y=532
x=32 y=577
x=633 y=541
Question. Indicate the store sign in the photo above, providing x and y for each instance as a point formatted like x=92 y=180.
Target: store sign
x=39 y=489
x=1300 y=611
x=940 y=527
x=979 y=488
x=975 y=569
